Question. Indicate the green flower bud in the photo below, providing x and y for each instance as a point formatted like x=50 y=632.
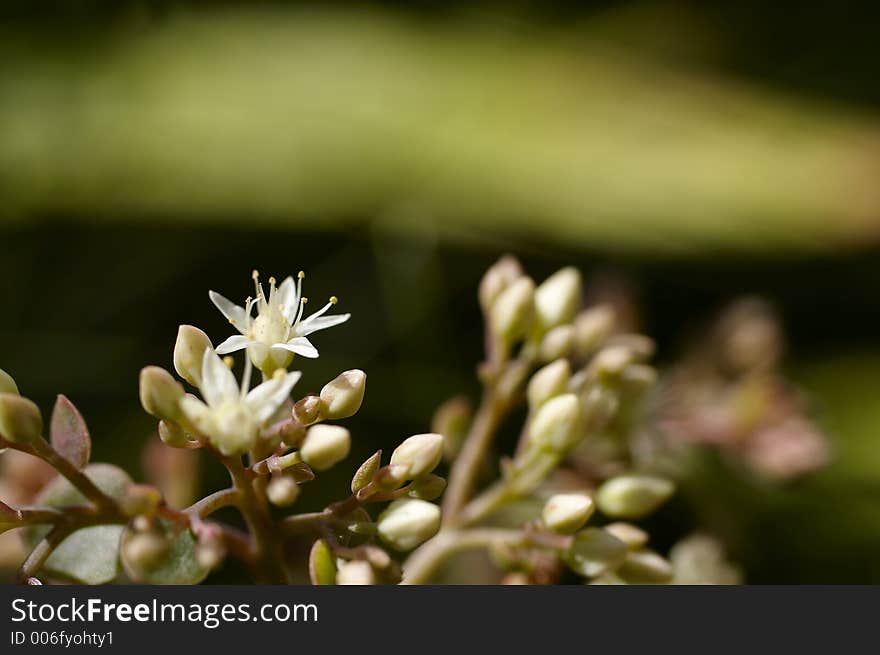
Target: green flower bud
x=390 y=477
x=325 y=445
x=548 y=382
x=140 y=500
x=357 y=572
x=512 y=312
x=567 y=513
x=558 y=342
x=556 y=426
x=451 y=420
x=20 y=419
x=161 y=393
x=558 y=297
x=499 y=276
x=366 y=472
x=408 y=522
x=189 y=352
x=632 y=536
x=429 y=487
x=645 y=567
x=172 y=434
x=143 y=551
x=420 y=454
x=592 y=327
x=595 y=551
x=7 y=384
x=343 y=396
x=282 y=490
x=633 y=496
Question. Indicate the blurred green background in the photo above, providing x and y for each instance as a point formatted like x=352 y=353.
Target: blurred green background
x=150 y=151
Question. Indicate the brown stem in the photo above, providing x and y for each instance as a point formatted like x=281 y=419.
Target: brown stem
x=42 y=449
x=213 y=502
x=41 y=552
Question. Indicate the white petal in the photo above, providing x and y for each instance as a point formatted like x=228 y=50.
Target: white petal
x=300 y=346
x=232 y=344
x=266 y=398
x=287 y=298
x=236 y=315
x=218 y=382
x=197 y=412
x=313 y=324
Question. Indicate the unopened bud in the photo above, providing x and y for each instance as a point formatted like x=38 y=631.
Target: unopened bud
x=645 y=567
x=633 y=496
x=408 y=522
x=140 y=499
x=172 y=434
x=592 y=327
x=516 y=578
x=512 y=312
x=567 y=513
x=556 y=426
x=7 y=384
x=390 y=477
x=342 y=397
x=595 y=551
x=429 y=487
x=558 y=342
x=631 y=535
x=499 y=276
x=420 y=454
x=557 y=298
x=20 y=419
x=325 y=445
x=611 y=361
x=548 y=382
x=638 y=377
x=142 y=551
x=308 y=409
x=357 y=572
x=366 y=472
x=160 y=393
x=451 y=420
x=189 y=352
x=282 y=490
x=639 y=345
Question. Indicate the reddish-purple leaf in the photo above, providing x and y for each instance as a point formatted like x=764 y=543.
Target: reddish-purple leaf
x=70 y=436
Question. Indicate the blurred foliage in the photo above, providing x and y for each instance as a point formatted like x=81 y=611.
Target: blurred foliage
x=152 y=150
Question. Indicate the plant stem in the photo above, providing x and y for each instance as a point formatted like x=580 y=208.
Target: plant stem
x=42 y=449
x=421 y=566
x=41 y=552
x=210 y=504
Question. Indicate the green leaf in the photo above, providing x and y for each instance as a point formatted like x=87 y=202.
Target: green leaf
x=90 y=555
x=70 y=436
x=322 y=567
x=176 y=566
x=594 y=552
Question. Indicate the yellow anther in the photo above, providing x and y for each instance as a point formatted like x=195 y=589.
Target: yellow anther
x=301 y=275
x=333 y=300
x=304 y=300
x=271 y=280
x=256 y=274
x=231 y=321
x=229 y=361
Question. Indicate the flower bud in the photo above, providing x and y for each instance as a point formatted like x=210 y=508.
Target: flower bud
x=343 y=396
x=451 y=420
x=210 y=549
x=557 y=298
x=556 y=426
x=309 y=409
x=592 y=327
x=357 y=572
x=549 y=381
x=595 y=551
x=140 y=499
x=499 y=276
x=611 y=361
x=633 y=496
x=420 y=454
x=558 y=342
x=632 y=536
x=390 y=477
x=567 y=513
x=7 y=384
x=160 y=393
x=645 y=567
x=366 y=472
x=282 y=490
x=512 y=311
x=408 y=522
x=142 y=551
x=20 y=419
x=172 y=434
x=429 y=487
x=325 y=445
x=189 y=352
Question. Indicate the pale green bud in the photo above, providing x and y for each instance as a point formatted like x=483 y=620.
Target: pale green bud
x=558 y=297
x=592 y=327
x=512 y=312
x=547 y=382
x=631 y=535
x=160 y=393
x=595 y=551
x=142 y=551
x=357 y=572
x=20 y=419
x=611 y=361
x=189 y=352
x=429 y=487
x=451 y=420
x=282 y=490
x=645 y=567
x=408 y=522
x=499 y=276
x=172 y=434
x=325 y=445
x=343 y=396
x=633 y=496
x=567 y=513
x=556 y=426
x=7 y=384
x=420 y=454
x=390 y=477
x=558 y=342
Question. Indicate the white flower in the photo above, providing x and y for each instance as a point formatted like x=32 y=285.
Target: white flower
x=279 y=329
x=232 y=416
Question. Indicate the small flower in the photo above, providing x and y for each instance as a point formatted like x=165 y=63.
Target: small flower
x=279 y=330
x=231 y=416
